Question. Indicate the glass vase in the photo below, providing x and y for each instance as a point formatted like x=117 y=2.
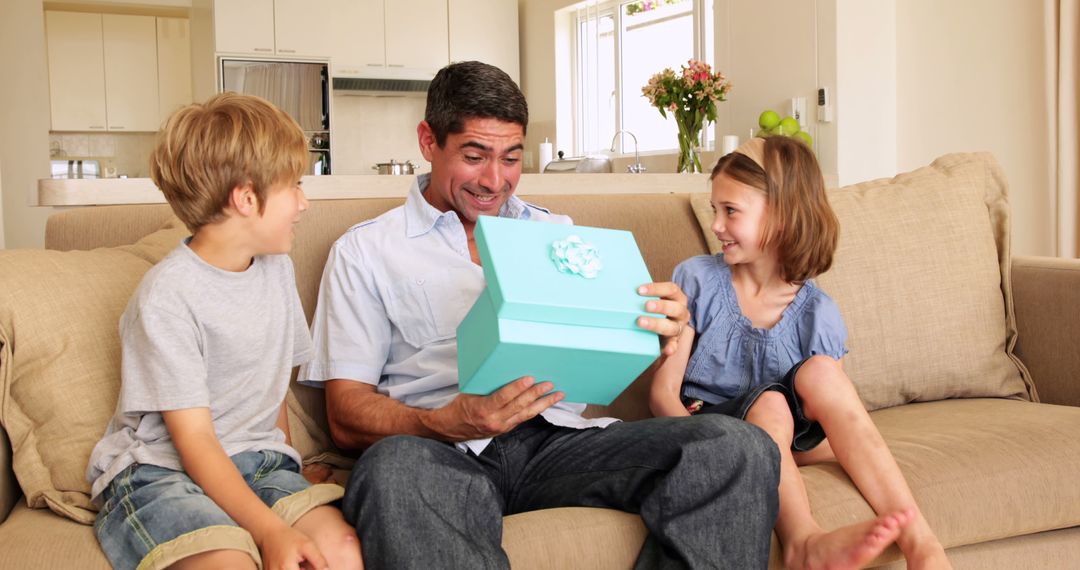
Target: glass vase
x=689 y=141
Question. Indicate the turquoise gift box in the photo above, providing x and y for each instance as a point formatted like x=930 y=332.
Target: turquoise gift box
x=561 y=305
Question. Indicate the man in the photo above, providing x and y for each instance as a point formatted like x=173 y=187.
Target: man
x=441 y=467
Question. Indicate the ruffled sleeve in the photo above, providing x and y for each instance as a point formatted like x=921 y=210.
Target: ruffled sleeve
x=691 y=276
x=823 y=329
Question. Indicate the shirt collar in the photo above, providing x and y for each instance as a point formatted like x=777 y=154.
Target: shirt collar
x=421 y=217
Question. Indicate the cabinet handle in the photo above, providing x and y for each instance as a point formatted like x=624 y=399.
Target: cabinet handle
x=395 y=65
x=97 y=127
x=116 y=128
x=263 y=49
x=287 y=50
x=374 y=65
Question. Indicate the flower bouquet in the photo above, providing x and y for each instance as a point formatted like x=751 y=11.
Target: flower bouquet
x=691 y=96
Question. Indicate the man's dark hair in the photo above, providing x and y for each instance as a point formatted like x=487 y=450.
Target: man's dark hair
x=472 y=90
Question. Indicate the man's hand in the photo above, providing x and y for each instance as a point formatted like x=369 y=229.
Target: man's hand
x=672 y=303
x=470 y=416
x=285 y=548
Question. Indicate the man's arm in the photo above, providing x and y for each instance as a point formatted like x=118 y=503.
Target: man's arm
x=359 y=416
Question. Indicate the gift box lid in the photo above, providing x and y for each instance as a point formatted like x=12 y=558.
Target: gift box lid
x=556 y=273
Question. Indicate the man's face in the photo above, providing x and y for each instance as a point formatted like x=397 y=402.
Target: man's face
x=477 y=170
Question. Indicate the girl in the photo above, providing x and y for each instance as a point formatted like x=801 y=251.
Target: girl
x=765 y=345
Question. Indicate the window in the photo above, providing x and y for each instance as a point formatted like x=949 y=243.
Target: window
x=617 y=45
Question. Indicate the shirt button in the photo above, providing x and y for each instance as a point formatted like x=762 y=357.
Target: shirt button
x=419 y=281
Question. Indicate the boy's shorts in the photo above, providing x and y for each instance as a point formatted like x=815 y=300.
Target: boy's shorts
x=807 y=433
x=152 y=517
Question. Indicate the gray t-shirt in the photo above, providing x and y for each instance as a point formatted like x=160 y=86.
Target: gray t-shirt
x=196 y=336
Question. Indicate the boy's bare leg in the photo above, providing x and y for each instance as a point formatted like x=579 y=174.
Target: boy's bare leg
x=335 y=538
x=829 y=398
x=805 y=543
x=216 y=560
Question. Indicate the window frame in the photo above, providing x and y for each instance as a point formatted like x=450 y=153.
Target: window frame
x=615 y=8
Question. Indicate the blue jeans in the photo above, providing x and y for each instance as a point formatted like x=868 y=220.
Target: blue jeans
x=705 y=487
x=152 y=516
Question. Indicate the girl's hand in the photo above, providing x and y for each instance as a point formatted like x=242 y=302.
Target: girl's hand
x=672 y=303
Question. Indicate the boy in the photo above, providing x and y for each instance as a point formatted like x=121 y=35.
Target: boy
x=195 y=469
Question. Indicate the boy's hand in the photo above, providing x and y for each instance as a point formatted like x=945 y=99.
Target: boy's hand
x=285 y=548
x=470 y=416
x=672 y=303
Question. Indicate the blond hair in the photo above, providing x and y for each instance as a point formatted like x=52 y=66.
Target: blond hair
x=207 y=149
x=799 y=222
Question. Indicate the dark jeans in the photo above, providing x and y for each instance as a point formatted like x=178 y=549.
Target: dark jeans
x=705 y=486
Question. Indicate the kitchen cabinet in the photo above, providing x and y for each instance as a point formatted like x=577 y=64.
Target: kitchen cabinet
x=292 y=28
x=244 y=26
x=400 y=39
x=485 y=30
x=131 y=74
x=359 y=48
x=102 y=72
x=173 y=64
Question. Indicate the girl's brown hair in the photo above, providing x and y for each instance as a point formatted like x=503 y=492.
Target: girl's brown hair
x=799 y=222
x=207 y=149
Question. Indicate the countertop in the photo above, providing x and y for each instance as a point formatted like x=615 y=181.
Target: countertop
x=93 y=192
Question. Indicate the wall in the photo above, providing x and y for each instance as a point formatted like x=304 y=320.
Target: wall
x=970 y=76
x=24 y=121
x=372 y=129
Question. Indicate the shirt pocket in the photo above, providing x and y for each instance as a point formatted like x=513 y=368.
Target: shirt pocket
x=428 y=308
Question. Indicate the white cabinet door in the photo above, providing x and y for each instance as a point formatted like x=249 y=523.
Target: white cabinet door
x=358 y=38
x=131 y=81
x=416 y=35
x=302 y=27
x=487 y=31
x=244 y=26
x=174 y=65
x=76 y=71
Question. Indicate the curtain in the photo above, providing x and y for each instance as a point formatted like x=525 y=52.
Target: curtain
x=1064 y=28
x=295 y=88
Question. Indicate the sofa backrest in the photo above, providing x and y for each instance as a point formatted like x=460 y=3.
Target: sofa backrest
x=663 y=225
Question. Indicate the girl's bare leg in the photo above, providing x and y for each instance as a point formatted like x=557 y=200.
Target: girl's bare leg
x=805 y=544
x=829 y=398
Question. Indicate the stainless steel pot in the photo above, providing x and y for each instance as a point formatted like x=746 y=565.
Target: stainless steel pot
x=395 y=168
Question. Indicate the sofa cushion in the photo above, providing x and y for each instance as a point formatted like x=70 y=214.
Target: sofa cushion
x=36 y=538
x=60 y=360
x=921 y=276
x=980 y=470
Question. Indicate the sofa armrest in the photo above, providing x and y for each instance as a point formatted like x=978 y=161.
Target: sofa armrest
x=1046 y=296
x=9 y=486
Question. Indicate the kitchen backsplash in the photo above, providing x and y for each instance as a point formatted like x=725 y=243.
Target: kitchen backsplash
x=126 y=154
x=367 y=130
x=370 y=129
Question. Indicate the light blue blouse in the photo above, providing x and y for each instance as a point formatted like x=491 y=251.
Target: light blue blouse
x=730 y=356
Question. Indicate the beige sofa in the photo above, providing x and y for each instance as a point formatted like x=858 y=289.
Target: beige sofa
x=941 y=317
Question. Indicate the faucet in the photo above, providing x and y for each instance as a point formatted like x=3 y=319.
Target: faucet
x=637 y=167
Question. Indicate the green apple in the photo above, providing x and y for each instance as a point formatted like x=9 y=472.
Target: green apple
x=768 y=119
x=789 y=126
x=806 y=138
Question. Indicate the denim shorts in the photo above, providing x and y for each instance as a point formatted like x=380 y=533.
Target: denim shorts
x=807 y=434
x=151 y=517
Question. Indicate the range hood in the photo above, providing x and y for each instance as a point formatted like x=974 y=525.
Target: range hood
x=380 y=85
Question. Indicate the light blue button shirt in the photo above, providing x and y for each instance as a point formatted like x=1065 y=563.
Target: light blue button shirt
x=393 y=292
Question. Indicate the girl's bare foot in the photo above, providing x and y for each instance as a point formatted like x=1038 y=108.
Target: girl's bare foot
x=849 y=547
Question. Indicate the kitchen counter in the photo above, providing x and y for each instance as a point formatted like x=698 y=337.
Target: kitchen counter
x=108 y=191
